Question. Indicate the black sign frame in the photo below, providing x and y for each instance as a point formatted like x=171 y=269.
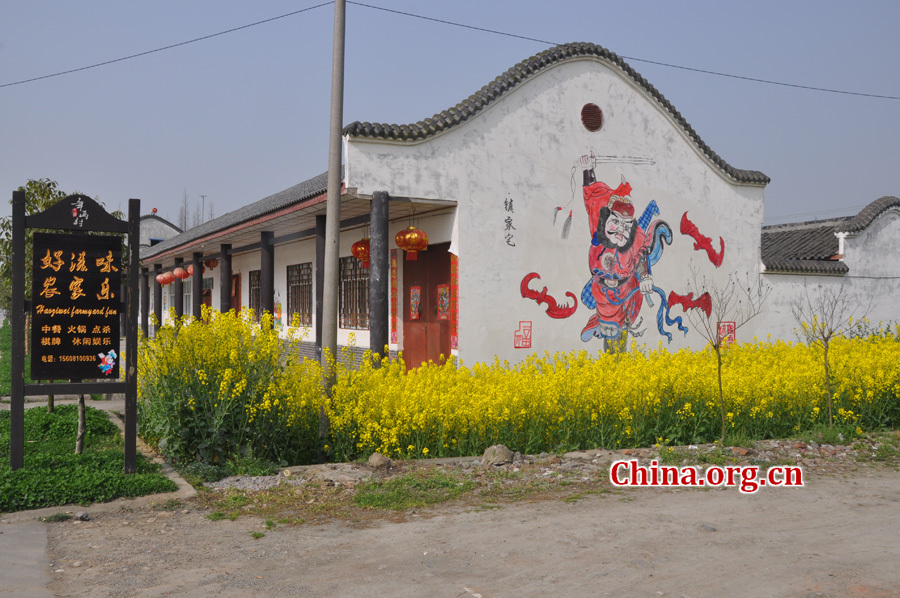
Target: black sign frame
x=81 y=214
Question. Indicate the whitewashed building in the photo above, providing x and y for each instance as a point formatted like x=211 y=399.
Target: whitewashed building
x=566 y=203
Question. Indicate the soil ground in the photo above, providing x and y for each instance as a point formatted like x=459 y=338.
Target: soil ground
x=545 y=526
x=835 y=537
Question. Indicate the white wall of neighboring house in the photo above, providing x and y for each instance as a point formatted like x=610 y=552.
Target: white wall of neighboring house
x=870 y=287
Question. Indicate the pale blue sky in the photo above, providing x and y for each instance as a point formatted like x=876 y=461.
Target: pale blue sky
x=240 y=116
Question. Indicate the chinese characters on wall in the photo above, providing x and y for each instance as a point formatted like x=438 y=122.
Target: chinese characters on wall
x=508 y=226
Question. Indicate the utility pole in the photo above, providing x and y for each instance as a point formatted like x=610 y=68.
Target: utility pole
x=333 y=199
x=202 y=207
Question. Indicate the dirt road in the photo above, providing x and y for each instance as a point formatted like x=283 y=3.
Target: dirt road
x=836 y=537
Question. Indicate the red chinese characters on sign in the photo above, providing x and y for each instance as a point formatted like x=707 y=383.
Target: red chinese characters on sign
x=443 y=302
x=522 y=339
x=415 y=301
x=726 y=332
x=393 y=295
x=454 y=302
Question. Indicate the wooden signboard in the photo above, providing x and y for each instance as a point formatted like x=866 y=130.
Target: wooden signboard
x=76 y=306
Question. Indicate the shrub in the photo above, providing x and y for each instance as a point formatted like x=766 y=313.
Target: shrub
x=223 y=387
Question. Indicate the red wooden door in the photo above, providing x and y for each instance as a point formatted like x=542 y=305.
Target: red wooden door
x=236 y=293
x=426 y=306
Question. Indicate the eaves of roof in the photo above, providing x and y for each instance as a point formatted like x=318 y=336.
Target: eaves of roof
x=827 y=267
x=522 y=72
x=300 y=192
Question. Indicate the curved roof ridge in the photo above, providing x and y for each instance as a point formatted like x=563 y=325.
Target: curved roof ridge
x=522 y=72
x=869 y=213
x=161 y=219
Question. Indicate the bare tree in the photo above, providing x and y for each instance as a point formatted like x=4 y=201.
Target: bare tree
x=732 y=304
x=184 y=212
x=823 y=315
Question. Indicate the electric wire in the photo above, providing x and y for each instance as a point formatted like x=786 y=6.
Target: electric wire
x=169 y=47
x=632 y=58
x=816 y=213
x=454 y=24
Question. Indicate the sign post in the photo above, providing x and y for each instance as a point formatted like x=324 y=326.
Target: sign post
x=76 y=307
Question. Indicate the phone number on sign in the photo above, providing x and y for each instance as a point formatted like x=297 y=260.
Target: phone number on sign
x=77 y=358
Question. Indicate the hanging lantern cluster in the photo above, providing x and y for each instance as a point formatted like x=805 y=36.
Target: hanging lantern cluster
x=412 y=240
x=360 y=251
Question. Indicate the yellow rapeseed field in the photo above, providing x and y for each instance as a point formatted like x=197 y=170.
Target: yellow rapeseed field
x=225 y=385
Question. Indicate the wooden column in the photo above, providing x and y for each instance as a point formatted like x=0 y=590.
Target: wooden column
x=178 y=288
x=225 y=278
x=379 y=273
x=17 y=317
x=266 y=273
x=145 y=302
x=157 y=297
x=197 y=285
x=320 y=280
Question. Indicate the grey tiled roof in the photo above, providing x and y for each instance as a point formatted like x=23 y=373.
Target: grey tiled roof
x=302 y=191
x=519 y=74
x=161 y=219
x=802 y=240
x=871 y=212
x=834 y=267
x=812 y=247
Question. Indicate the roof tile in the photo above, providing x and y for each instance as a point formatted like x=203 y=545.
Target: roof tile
x=520 y=73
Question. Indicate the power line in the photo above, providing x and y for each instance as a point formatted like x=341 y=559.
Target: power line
x=818 y=213
x=453 y=24
x=632 y=58
x=169 y=47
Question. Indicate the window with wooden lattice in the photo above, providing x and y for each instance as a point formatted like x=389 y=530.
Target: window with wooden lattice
x=299 y=293
x=354 y=295
x=254 y=293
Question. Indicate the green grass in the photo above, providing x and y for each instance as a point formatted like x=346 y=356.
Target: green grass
x=54 y=475
x=412 y=490
x=6 y=360
x=56 y=518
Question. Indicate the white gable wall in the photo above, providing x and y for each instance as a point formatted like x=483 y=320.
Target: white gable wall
x=523 y=149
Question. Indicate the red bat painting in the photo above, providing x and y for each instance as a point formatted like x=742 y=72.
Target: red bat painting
x=703 y=242
x=554 y=310
x=703 y=302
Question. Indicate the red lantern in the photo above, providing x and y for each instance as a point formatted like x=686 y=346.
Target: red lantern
x=167 y=278
x=180 y=273
x=190 y=270
x=159 y=278
x=211 y=264
x=360 y=251
x=412 y=240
